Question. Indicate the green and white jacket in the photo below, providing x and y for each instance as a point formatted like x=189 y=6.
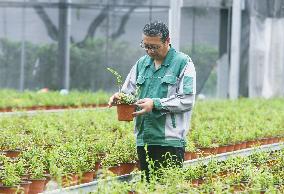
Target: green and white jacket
x=173 y=89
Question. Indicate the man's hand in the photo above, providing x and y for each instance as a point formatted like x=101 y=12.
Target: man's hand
x=112 y=99
x=146 y=104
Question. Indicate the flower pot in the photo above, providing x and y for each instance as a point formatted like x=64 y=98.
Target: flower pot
x=194 y=155
x=12 y=153
x=121 y=169
x=237 y=146
x=187 y=156
x=197 y=182
x=69 y=180
x=124 y=112
x=222 y=149
x=25 y=187
x=230 y=148
x=249 y=144
x=203 y=152
x=275 y=139
x=243 y=145
x=48 y=178
x=264 y=141
x=87 y=177
x=8 y=190
x=37 y=185
x=97 y=166
x=270 y=140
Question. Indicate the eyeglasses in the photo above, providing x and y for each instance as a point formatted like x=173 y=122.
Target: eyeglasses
x=153 y=48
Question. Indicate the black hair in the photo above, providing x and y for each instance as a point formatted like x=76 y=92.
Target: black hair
x=157 y=28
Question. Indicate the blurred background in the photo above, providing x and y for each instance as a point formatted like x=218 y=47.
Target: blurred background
x=237 y=45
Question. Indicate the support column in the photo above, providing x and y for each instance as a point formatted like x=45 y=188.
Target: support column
x=235 y=50
x=64 y=44
x=174 y=22
x=223 y=62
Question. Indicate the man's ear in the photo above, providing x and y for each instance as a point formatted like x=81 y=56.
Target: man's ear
x=168 y=40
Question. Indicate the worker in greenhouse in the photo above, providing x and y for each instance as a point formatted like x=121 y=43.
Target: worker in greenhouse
x=166 y=80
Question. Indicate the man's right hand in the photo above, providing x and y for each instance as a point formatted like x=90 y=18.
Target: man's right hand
x=112 y=99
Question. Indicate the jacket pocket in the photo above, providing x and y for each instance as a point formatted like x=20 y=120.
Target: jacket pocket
x=188 y=85
x=140 y=80
x=169 y=79
x=168 y=85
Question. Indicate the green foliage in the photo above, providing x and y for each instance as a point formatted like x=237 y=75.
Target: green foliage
x=126 y=98
x=87 y=64
x=118 y=77
x=15 y=99
x=9 y=175
x=204 y=58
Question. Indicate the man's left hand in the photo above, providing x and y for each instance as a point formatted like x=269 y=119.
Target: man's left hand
x=146 y=104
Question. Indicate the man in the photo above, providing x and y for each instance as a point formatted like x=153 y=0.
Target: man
x=166 y=80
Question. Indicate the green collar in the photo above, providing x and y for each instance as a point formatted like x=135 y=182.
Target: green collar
x=167 y=60
x=169 y=56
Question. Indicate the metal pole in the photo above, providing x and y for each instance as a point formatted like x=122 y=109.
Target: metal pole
x=64 y=43
x=23 y=50
x=235 y=49
x=223 y=61
x=174 y=22
x=193 y=31
x=67 y=50
x=150 y=11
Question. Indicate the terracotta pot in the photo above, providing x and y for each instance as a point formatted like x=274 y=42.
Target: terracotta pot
x=250 y=144
x=8 y=190
x=243 y=145
x=97 y=166
x=275 y=139
x=36 y=186
x=12 y=153
x=204 y=152
x=48 y=178
x=222 y=149
x=70 y=180
x=237 y=146
x=124 y=168
x=194 y=155
x=264 y=141
x=214 y=150
x=25 y=187
x=194 y=182
x=25 y=177
x=124 y=112
x=270 y=140
x=187 y=156
x=230 y=148
x=197 y=182
x=87 y=177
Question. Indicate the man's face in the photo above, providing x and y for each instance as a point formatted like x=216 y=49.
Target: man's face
x=154 y=47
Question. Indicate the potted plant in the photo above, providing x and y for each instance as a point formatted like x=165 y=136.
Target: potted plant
x=126 y=102
x=10 y=143
x=121 y=162
x=10 y=181
x=36 y=176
